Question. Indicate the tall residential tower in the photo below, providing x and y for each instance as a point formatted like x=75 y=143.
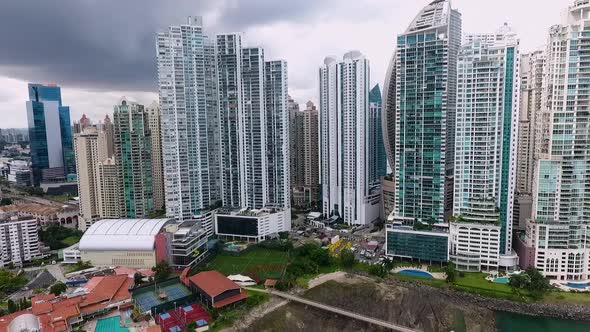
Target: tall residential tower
x=188 y=106
x=485 y=151
x=560 y=231
x=345 y=155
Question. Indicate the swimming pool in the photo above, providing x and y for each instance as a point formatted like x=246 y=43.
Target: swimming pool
x=416 y=273
x=112 y=324
x=577 y=286
x=502 y=280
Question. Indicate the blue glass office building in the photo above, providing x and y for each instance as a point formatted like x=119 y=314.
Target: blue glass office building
x=50 y=134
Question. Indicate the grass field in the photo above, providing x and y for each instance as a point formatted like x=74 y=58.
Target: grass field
x=70 y=240
x=257 y=263
x=567 y=297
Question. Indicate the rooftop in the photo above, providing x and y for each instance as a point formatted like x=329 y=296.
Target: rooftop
x=53 y=313
x=122 y=234
x=213 y=283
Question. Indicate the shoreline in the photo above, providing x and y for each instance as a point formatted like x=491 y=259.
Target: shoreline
x=545 y=310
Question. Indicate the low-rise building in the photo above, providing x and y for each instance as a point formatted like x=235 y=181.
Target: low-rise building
x=475 y=247
x=422 y=245
x=19 y=240
x=252 y=225
x=182 y=245
x=71 y=254
x=20 y=173
x=122 y=242
x=59 y=314
x=214 y=290
x=142 y=243
x=65 y=215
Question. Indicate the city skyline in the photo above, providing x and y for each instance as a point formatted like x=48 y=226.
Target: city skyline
x=92 y=89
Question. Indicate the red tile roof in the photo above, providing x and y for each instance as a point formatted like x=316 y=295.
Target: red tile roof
x=213 y=283
x=54 y=312
x=270 y=282
x=230 y=300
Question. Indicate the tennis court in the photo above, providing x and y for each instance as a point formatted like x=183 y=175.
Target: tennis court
x=156 y=295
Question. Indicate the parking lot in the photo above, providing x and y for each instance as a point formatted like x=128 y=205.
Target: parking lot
x=366 y=243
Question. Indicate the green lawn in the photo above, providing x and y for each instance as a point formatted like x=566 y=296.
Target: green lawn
x=476 y=283
x=567 y=297
x=59 y=199
x=71 y=240
x=258 y=263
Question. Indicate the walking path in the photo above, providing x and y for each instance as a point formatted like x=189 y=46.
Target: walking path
x=339 y=311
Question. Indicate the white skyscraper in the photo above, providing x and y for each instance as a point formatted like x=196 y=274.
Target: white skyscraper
x=277 y=133
x=253 y=149
x=560 y=232
x=344 y=156
x=225 y=135
x=485 y=151
x=228 y=50
x=188 y=102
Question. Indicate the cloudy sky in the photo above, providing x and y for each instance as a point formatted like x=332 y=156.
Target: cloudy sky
x=100 y=50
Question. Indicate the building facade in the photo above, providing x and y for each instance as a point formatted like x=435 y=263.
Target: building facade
x=345 y=156
x=188 y=106
x=228 y=48
x=133 y=156
x=531 y=89
x=155 y=125
x=561 y=184
x=252 y=225
x=50 y=133
x=254 y=182
x=109 y=190
x=277 y=133
x=307 y=190
x=90 y=148
x=375 y=145
x=19 y=241
x=486 y=139
x=419 y=120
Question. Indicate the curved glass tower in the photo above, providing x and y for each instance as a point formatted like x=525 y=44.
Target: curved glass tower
x=425 y=100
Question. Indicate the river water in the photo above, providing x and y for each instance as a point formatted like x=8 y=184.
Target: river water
x=507 y=322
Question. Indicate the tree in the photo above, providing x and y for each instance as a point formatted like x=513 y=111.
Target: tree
x=5 y=201
x=58 y=288
x=347 y=259
x=137 y=279
x=11 y=306
x=378 y=270
x=162 y=270
x=538 y=282
x=451 y=272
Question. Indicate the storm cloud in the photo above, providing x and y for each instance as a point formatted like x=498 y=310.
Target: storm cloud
x=98 y=50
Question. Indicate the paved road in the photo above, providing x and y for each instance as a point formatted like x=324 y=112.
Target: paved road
x=339 y=311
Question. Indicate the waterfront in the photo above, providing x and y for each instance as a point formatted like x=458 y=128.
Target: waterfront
x=508 y=322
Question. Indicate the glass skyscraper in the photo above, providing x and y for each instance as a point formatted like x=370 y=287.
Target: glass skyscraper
x=426 y=85
x=375 y=146
x=50 y=134
x=133 y=157
x=560 y=232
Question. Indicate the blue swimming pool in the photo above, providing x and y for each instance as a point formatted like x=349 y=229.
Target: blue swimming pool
x=502 y=280
x=578 y=286
x=416 y=273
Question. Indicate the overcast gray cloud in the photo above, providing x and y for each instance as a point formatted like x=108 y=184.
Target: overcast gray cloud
x=98 y=50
